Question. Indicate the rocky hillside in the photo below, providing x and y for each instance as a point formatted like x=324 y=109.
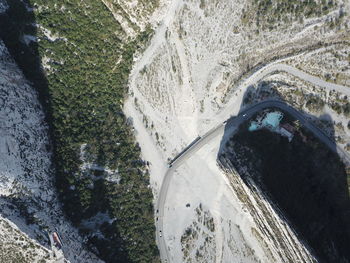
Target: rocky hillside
x=28 y=199
x=78 y=57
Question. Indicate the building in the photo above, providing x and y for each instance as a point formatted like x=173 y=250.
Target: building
x=287 y=134
x=287 y=130
x=288 y=127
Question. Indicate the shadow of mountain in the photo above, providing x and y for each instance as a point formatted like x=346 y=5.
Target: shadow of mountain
x=18 y=31
x=19 y=34
x=16 y=210
x=305 y=179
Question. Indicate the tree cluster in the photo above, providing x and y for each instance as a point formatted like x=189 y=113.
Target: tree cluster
x=83 y=86
x=270 y=13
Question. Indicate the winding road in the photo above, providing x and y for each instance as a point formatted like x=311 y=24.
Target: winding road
x=280 y=67
x=312 y=79
x=232 y=124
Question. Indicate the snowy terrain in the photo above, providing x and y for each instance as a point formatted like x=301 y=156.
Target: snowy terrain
x=134 y=15
x=193 y=75
x=28 y=202
x=17 y=247
x=246 y=227
x=188 y=80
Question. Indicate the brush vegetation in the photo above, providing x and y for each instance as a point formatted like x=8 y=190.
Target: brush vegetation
x=80 y=65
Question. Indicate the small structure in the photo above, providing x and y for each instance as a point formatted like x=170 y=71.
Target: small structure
x=56 y=247
x=269 y=120
x=288 y=127
x=287 y=130
x=56 y=240
x=286 y=133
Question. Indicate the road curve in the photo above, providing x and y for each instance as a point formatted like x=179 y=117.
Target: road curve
x=277 y=67
x=233 y=123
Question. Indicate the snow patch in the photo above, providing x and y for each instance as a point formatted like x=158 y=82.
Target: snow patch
x=88 y=168
x=49 y=35
x=29 y=38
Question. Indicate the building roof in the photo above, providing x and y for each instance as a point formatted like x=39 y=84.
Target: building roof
x=288 y=127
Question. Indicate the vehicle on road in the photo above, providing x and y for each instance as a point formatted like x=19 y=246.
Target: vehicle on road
x=160 y=233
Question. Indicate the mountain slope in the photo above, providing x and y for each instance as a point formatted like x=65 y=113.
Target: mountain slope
x=27 y=192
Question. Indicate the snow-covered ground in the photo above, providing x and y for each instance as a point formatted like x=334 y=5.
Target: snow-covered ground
x=135 y=15
x=189 y=79
x=332 y=63
x=18 y=247
x=27 y=194
x=240 y=229
x=190 y=70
